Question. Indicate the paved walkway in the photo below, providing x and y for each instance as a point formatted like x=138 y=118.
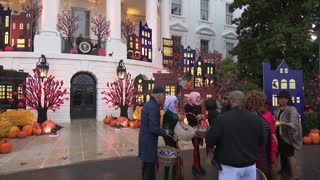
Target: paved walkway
x=82 y=140
x=92 y=150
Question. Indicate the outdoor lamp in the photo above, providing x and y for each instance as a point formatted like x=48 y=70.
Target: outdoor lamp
x=43 y=67
x=121 y=70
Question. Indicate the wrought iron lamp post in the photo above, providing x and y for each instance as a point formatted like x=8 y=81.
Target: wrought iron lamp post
x=43 y=67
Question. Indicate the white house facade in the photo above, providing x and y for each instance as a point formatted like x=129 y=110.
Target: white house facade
x=200 y=24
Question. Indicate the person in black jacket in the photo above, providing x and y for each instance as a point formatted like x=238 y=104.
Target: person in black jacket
x=194 y=115
x=149 y=132
x=212 y=109
x=237 y=134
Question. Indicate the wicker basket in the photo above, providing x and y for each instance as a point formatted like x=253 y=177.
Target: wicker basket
x=183 y=131
x=167 y=160
x=201 y=131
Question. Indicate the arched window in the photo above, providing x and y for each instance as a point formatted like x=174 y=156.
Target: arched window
x=275 y=84
x=284 y=84
x=199 y=71
x=292 y=84
x=274 y=100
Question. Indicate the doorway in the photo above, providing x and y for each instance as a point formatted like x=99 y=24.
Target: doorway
x=83 y=99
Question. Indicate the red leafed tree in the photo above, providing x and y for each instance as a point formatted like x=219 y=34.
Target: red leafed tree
x=120 y=94
x=67 y=25
x=100 y=27
x=34 y=8
x=312 y=94
x=127 y=28
x=45 y=96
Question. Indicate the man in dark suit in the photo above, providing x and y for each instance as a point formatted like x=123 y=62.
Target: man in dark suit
x=149 y=132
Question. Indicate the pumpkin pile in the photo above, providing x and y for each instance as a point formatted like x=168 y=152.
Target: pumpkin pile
x=121 y=121
x=313 y=137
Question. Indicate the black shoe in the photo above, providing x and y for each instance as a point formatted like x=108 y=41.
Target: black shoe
x=202 y=171
x=195 y=171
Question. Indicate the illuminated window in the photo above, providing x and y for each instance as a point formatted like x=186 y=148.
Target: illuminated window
x=12 y=42
x=137 y=45
x=9 y=91
x=198 y=82
x=20 y=92
x=6 y=38
x=7 y=21
x=139 y=98
x=209 y=96
x=142 y=50
x=274 y=100
x=298 y=99
x=21 y=26
x=131 y=44
x=28 y=26
x=130 y=38
x=171 y=90
x=199 y=71
x=20 y=43
x=281 y=70
x=2 y=91
x=29 y=42
x=284 y=84
x=292 y=98
x=192 y=71
x=211 y=72
x=184 y=69
x=150 y=86
x=286 y=70
x=292 y=84
x=150 y=54
x=148 y=97
x=13 y=25
x=142 y=33
x=140 y=86
x=275 y=84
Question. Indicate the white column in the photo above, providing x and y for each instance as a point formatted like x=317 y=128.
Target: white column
x=152 y=20
x=114 y=43
x=165 y=14
x=48 y=31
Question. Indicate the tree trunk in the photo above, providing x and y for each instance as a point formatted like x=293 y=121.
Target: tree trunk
x=124 y=111
x=42 y=115
x=99 y=43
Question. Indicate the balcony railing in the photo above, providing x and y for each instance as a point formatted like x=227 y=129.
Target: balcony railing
x=83 y=45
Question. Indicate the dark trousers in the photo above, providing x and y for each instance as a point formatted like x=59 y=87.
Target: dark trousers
x=196 y=152
x=148 y=171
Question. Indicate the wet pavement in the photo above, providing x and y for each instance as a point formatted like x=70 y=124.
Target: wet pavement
x=130 y=168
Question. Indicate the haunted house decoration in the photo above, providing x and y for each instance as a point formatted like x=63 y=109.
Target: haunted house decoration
x=144 y=89
x=188 y=59
x=167 y=48
x=5 y=19
x=11 y=89
x=21 y=32
x=283 y=78
x=140 y=47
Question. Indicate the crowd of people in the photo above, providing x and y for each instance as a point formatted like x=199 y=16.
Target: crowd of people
x=244 y=134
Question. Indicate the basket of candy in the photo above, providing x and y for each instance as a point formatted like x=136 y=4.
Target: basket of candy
x=184 y=131
x=167 y=155
x=201 y=131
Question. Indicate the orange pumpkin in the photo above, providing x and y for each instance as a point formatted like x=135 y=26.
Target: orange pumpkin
x=113 y=123
x=36 y=125
x=315 y=137
x=47 y=126
x=5 y=146
x=125 y=123
x=133 y=124
x=21 y=134
x=307 y=140
x=108 y=119
x=27 y=129
x=121 y=119
x=12 y=133
x=315 y=131
x=36 y=131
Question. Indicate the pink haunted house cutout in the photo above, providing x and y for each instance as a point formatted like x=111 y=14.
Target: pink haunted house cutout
x=283 y=78
x=21 y=32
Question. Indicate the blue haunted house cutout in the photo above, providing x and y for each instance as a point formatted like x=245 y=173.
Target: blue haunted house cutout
x=187 y=58
x=283 y=78
x=145 y=33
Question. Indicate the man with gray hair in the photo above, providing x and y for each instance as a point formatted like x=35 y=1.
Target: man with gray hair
x=236 y=134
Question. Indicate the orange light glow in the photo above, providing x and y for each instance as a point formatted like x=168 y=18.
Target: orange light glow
x=132 y=11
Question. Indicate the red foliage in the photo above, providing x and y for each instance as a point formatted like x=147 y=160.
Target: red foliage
x=120 y=94
x=34 y=8
x=67 y=24
x=312 y=94
x=52 y=90
x=127 y=28
x=100 y=27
